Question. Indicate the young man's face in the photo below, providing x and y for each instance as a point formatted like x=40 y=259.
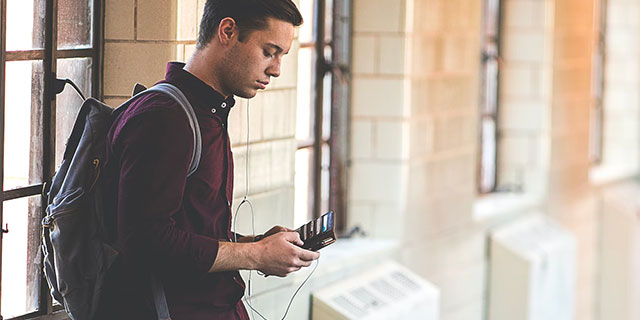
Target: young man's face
x=249 y=65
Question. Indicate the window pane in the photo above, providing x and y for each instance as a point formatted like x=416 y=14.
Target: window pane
x=21 y=263
x=303 y=115
x=492 y=17
x=23 y=124
x=491 y=86
x=25 y=24
x=303 y=203
x=326 y=106
x=325 y=178
x=68 y=102
x=488 y=165
x=306 y=30
x=74 y=23
x=328 y=20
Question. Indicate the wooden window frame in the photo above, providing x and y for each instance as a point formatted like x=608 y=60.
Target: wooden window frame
x=337 y=140
x=598 y=86
x=49 y=56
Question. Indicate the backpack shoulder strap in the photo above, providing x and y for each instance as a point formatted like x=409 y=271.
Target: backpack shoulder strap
x=157 y=288
x=177 y=95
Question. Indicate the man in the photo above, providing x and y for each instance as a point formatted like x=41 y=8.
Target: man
x=178 y=227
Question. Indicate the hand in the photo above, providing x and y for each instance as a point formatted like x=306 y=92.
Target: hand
x=276 y=229
x=278 y=254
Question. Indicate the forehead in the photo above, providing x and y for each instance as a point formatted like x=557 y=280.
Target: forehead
x=277 y=32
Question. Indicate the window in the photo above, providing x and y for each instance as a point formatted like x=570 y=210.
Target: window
x=489 y=97
x=597 y=113
x=322 y=109
x=41 y=40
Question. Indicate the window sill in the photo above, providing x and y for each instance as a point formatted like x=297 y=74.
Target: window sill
x=609 y=174
x=500 y=204
x=56 y=315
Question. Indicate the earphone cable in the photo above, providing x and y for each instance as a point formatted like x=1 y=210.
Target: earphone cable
x=245 y=200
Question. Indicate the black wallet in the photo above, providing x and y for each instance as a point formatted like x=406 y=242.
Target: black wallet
x=318 y=233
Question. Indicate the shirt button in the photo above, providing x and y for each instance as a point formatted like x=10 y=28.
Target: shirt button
x=213 y=110
x=223 y=105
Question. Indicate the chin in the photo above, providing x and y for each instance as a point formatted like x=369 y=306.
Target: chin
x=247 y=94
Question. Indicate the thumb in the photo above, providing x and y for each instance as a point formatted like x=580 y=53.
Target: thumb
x=293 y=237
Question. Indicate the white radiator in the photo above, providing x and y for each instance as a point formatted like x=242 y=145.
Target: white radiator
x=388 y=291
x=620 y=254
x=532 y=271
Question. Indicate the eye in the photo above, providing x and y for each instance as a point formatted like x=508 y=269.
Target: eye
x=267 y=54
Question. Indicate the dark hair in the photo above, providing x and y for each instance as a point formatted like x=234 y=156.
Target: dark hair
x=250 y=15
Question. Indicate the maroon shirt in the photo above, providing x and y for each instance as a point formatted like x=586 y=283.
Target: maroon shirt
x=164 y=222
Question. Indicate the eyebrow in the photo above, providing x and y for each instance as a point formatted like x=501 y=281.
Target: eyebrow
x=277 y=47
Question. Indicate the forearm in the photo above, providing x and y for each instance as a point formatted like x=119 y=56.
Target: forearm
x=235 y=256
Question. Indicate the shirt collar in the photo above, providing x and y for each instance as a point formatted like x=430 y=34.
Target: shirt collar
x=200 y=94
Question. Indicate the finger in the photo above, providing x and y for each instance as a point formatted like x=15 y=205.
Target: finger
x=272 y=231
x=307 y=255
x=293 y=269
x=294 y=237
x=305 y=263
x=284 y=229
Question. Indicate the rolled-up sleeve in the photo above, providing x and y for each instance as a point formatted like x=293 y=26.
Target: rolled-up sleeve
x=155 y=148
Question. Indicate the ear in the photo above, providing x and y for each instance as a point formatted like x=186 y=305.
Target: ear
x=227 y=30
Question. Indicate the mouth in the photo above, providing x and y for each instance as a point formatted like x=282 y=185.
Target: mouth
x=262 y=84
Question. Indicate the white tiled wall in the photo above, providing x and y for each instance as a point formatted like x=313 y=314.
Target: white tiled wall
x=525 y=100
x=570 y=198
x=379 y=123
x=440 y=240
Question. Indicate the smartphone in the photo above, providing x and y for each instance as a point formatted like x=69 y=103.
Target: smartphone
x=318 y=233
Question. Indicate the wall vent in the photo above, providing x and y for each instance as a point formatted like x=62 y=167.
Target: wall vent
x=619 y=257
x=387 y=291
x=532 y=271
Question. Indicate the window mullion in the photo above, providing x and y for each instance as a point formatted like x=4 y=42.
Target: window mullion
x=97 y=42
x=3 y=55
x=22 y=192
x=339 y=138
x=318 y=88
x=48 y=122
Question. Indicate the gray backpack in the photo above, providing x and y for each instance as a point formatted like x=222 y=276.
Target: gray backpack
x=77 y=255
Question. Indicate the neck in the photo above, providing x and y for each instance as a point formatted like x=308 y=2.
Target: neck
x=205 y=70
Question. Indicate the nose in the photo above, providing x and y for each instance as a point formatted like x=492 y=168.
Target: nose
x=274 y=69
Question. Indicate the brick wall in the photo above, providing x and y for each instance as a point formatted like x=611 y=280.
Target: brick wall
x=525 y=94
x=141 y=36
x=379 y=117
x=414 y=114
x=571 y=198
x=442 y=242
